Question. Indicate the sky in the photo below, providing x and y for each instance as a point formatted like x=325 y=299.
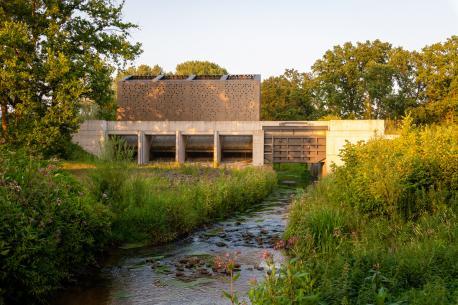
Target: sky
x=266 y=37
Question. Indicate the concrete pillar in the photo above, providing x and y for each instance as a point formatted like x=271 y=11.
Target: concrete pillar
x=258 y=147
x=180 y=148
x=216 y=149
x=140 y=145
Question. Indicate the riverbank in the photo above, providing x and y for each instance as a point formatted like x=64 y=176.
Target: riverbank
x=187 y=271
x=55 y=222
x=381 y=230
x=158 y=204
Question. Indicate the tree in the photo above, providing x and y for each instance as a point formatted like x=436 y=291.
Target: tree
x=199 y=68
x=438 y=75
x=287 y=97
x=15 y=68
x=65 y=50
x=140 y=70
x=438 y=70
x=366 y=80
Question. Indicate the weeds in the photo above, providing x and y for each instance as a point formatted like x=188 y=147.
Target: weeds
x=151 y=205
x=382 y=229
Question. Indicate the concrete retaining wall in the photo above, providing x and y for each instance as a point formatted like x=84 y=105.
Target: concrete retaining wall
x=92 y=134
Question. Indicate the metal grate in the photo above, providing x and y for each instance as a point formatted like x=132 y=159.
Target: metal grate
x=289 y=146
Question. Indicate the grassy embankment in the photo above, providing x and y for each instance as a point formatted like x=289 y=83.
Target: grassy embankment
x=55 y=221
x=381 y=230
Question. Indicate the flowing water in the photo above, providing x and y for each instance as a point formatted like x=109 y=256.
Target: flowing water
x=182 y=272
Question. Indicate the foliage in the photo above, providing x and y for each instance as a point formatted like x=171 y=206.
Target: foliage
x=438 y=71
x=285 y=285
x=140 y=70
x=197 y=67
x=164 y=206
x=366 y=80
x=49 y=228
x=413 y=174
x=382 y=229
x=369 y=80
x=287 y=97
x=54 y=56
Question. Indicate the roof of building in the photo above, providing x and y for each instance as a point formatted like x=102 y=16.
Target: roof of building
x=193 y=77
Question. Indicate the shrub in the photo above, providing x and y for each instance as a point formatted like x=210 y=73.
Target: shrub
x=49 y=228
x=382 y=229
x=404 y=177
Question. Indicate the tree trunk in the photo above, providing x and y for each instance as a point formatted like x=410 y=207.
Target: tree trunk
x=4 y=109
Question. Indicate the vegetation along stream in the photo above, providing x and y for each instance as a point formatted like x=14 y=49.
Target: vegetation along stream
x=184 y=272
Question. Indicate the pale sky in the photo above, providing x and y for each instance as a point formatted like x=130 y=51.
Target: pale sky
x=266 y=37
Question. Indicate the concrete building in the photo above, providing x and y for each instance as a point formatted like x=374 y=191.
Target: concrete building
x=217 y=119
x=189 y=98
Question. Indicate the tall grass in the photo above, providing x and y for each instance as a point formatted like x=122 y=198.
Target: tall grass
x=160 y=204
x=383 y=228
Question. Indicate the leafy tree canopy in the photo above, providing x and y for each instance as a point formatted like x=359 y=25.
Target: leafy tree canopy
x=438 y=70
x=366 y=80
x=199 y=68
x=370 y=80
x=54 y=55
x=288 y=97
x=139 y=70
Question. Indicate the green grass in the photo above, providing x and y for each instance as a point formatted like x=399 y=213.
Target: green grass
x=159 y=204
x=57 y=218
x=293 y=171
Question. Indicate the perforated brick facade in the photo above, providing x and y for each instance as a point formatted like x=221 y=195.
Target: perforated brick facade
x=226 y=98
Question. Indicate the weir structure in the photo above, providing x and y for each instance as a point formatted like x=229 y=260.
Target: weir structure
x=216 y=119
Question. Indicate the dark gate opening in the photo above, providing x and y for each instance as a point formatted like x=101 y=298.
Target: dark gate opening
x=162 y=148
x=199 y=148
x=236 y=148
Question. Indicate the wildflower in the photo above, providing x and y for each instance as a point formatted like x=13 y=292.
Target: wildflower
x=266 y=255
x=280 y=244
x=292 y=241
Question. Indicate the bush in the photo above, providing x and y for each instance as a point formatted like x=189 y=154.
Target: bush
x=404 y=177
x=382 y=229
x=49 y=228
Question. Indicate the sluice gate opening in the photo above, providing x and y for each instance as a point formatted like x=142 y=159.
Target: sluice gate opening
x=236 y=148
x=162 y=148
x=199 y=148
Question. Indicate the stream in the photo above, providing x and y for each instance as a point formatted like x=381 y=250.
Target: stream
x=182 y=272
